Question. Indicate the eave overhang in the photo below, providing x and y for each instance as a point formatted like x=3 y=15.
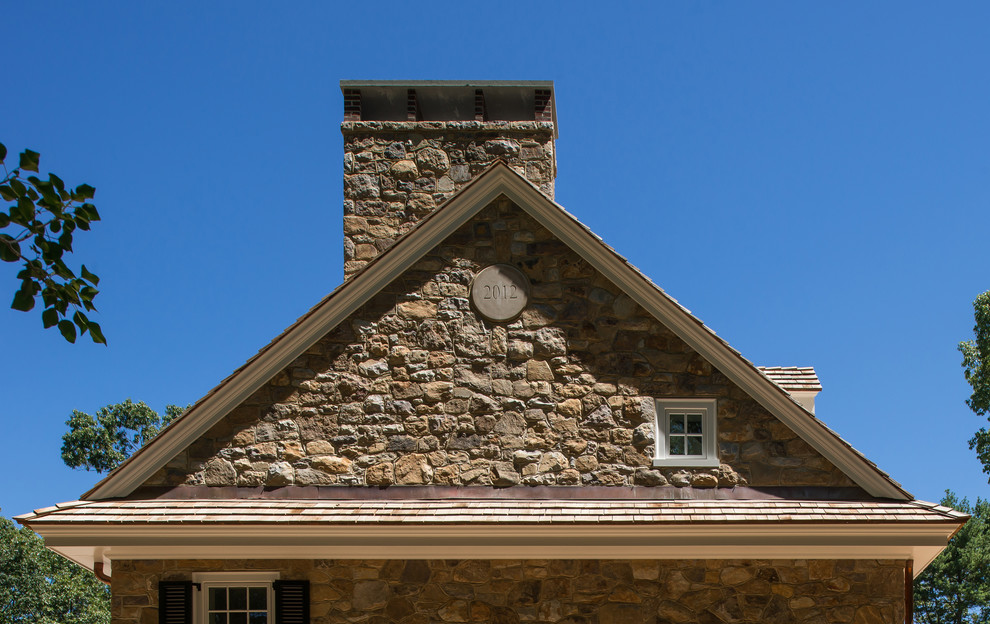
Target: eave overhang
x=104 y=544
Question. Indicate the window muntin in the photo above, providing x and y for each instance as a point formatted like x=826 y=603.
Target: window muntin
x=238 y=605
x=686 y=433
x=235 y=597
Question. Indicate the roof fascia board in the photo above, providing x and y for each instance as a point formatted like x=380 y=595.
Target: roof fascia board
x=920 y=555
x=275 y=533
x=500 y=179
x=920 y=543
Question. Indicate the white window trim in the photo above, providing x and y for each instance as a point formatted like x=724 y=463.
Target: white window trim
x=709 y=412
x=204 y=580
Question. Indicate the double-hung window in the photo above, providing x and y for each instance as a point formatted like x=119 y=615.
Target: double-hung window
x=235 y=597
x=686 y=433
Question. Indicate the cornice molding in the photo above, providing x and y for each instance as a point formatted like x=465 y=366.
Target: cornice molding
x=86 y=545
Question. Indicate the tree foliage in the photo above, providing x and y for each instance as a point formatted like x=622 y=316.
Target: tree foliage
x=955 y=588
x=976 y=362
x=103 y=442
x=36 y=231
x=38 y=586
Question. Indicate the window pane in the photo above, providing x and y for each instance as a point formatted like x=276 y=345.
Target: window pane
x=258 y=597
x=218 y=618
x=677 y=445
x=258 y=618
x=238 y=618
x=694 y=445
x=677 y=423
x=218 y=598
x=694 y=423
x=238 y=599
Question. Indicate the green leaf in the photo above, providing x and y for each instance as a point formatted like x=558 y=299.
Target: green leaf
x=3 y=152
x=60 y=269
x=89 y=211
x=30 y=160
x=80 y=319
x=49 y=317
x=10 y=250
x=22 y=212
x=23 y=300
x=18 y=187
x=68 y=330
x=96 y=333
x=84 y=192
x=4 y=220
x=7 y=193
x=90 y=277
x=65 y=241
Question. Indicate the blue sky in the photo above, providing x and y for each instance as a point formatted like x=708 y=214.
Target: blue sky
x=811 y=180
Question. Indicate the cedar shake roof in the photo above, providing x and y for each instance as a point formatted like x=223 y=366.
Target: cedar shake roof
x=793 y=378
x=501 y=512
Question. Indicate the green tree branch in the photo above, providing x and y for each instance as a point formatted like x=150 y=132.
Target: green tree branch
x=36 y=230
x=976 y=364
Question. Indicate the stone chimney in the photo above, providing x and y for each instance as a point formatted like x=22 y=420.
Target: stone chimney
x=410 y=145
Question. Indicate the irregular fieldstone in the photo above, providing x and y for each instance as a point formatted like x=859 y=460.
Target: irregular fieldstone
x=704 y=480
x=504 y=474
x=380 y=474
x=412 y=470
x=599 y=418
x=395 y=150
x=361 y=186
x=550 y=342
x=432 y=159
x=538 y=370
x=331 y=464
x=369 y=595
x=218 y=472
x=507 y=147
x=552 y=462
x=417 y=310
x=280 y=473
x=405 y=170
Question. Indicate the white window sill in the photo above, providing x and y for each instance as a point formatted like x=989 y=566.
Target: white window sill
x=685 y=462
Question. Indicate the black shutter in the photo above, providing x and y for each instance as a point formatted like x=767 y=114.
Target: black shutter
x=175 y=602
x=291 y=602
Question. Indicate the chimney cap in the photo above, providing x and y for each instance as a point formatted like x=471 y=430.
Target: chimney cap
x=478 y=84
x=453 y=100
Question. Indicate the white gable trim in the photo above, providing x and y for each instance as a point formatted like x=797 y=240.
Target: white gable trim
x=347 y=298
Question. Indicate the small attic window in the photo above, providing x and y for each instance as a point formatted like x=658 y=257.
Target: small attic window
x=686 y=433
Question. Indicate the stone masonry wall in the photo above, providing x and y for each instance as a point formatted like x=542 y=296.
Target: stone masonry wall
x=397 y=172
x=557 y=591
x=416 y=389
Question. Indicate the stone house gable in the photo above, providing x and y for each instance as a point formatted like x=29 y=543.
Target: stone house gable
x=393 y=456
x=416 y=388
